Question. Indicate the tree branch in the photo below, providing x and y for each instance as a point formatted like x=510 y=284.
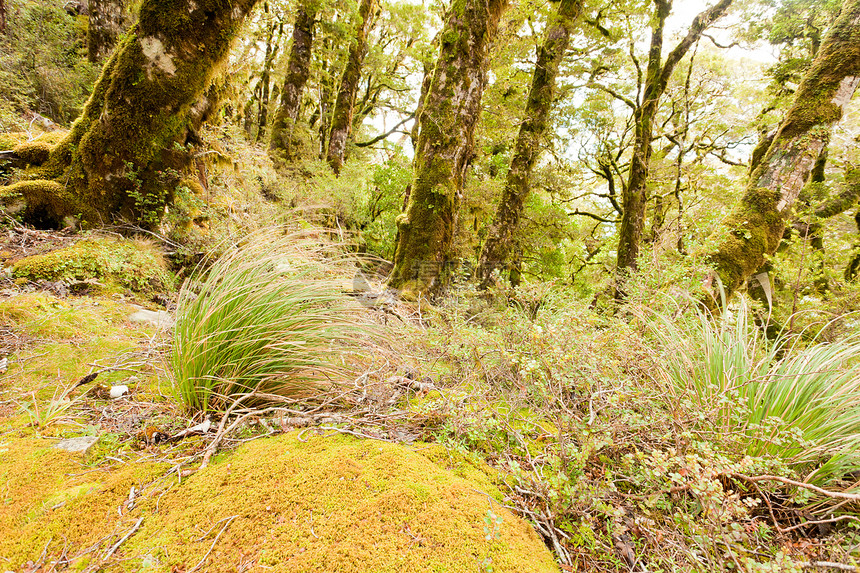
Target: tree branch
x=595 y=217
x=382 y=136
x=697 y=28
x=613 y=93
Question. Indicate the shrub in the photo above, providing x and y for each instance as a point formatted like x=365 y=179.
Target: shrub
x=801 y=405
x=265 y=318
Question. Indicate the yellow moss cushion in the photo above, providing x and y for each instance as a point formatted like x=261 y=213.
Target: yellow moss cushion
x=334 y=504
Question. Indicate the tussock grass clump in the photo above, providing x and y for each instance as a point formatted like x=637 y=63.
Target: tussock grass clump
x=801 y=405
x=267 y=318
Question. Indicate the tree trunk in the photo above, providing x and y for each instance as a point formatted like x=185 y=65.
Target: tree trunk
x=852 y=269
x=445 y=146
x=2 y=16
x=657 y=79
x=106 y=23
x=419 y=108
x=272 y=42
x=754 y=229
x=496 y=251
x=284 y=141
x=120 y=158
x=341 y=122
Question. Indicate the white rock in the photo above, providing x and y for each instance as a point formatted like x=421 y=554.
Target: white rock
x=159 y=318
x=118 y=391
x=77 y=445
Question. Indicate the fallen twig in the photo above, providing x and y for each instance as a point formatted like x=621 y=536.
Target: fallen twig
x=826 y=565
x=116 y=545
x=836 y=494
x=211 y=547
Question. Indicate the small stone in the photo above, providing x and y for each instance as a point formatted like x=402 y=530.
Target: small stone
x=118 y=391
x=77 y=445
x=159 y=318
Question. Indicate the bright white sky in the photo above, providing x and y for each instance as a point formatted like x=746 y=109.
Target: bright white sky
x=683 y=12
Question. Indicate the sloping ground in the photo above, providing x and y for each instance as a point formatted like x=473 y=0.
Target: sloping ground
x=332 y=503
x=328 y=503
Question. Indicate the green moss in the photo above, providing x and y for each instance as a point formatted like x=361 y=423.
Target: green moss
x=49 y=502
x=328 y=504
x=337 y=504
x=33 y=152
x=9 y=141
x=40 y=315
x=134 y=265
x=44 y=200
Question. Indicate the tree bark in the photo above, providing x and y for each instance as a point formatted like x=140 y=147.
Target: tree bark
x=496 y=250
x=272 y=44
x=284 y=142
x=754 y=229
x=657 y=79
x=120 y=159
x=344 y=107
x=2 y=16
x=106 y=24
x=852 y=269
x=445 y=147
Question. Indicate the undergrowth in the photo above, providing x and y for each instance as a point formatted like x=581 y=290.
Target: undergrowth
x=263 y=319
x=606 y=447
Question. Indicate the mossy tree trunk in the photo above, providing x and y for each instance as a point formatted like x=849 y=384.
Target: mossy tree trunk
x=657 y=78
x=121 y=157
x=106 y=23
x=284 y=141
x=496 y=249
x=272 y=45
x=344 y=107
x=449 y=113
x=755 y=227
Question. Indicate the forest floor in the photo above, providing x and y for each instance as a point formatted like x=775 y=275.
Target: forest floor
x=516 y=430
x=464 y=415
x=354 y=488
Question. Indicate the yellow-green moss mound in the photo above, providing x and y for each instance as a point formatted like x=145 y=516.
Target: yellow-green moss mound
x=135 y=265
x=49 y=497
x=332 y=504
x=339 y=504
x=33 y=152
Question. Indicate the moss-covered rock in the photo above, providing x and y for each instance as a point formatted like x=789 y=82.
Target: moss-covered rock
x=327 y=504
x=41 y=201
x=130 y=264
x=342 y=504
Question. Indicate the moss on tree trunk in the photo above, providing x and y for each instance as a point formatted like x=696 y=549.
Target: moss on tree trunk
x=121 y=157
x=445 y=146
x=284 y=142
x=754 y=229
x=344 y=107
x=496 y=250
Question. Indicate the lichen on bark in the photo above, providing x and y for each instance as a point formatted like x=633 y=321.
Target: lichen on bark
x=284 y=142
x=344 y=107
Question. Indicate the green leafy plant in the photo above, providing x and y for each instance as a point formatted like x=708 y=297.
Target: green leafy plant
x=264 y=319
x=801 y=405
